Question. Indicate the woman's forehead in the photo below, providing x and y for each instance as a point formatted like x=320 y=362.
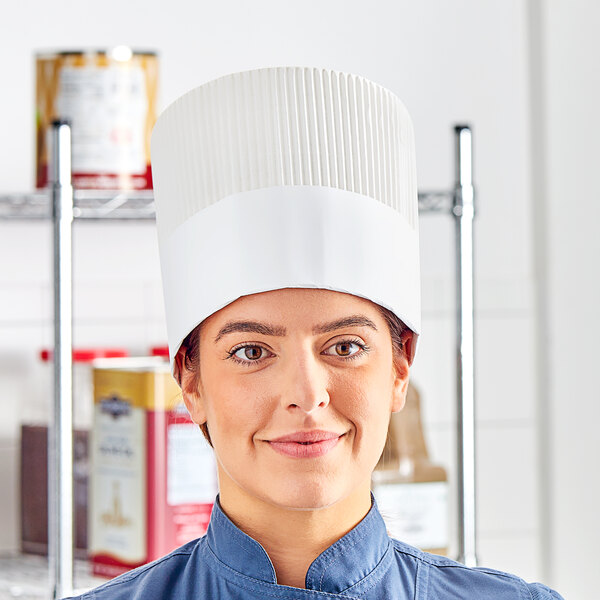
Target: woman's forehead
x=306 y=306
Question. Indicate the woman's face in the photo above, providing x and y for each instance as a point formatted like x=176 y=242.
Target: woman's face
x=290 y=362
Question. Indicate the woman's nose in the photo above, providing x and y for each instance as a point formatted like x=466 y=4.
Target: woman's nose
x=306 y=382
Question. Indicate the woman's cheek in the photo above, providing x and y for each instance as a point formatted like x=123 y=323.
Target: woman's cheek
x=236 y=408
x=370 y=413
x=353 y=399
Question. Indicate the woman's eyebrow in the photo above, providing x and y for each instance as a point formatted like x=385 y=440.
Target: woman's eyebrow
x=268 y=329
x=250 y=326
x=351 y=321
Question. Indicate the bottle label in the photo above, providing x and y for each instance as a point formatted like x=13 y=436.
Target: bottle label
x=415 y=513
x=191 y=471
x=107 y=107
x=118 y=482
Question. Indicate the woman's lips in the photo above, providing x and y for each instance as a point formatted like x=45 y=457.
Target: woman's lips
x=305 y=449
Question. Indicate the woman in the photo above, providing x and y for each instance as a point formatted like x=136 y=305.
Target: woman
x=287 y=222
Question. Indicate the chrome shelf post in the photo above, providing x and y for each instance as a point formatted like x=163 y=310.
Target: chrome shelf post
x=464 y=212
x=60 y=472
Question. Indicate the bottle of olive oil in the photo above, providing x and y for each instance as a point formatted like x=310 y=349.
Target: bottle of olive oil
x=411 y=492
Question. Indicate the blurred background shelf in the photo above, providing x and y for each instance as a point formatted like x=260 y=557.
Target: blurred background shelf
x=61 y=203
x=26 y=576
x=125 y=205
x=88 y=204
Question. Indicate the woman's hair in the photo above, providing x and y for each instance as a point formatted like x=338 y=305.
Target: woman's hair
x=191 y=347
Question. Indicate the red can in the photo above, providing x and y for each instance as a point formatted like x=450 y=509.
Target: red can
x=153 y=475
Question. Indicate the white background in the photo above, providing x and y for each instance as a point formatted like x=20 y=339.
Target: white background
x=525 y=75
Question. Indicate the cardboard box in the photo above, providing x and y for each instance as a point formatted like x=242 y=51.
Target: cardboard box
x=412 y=492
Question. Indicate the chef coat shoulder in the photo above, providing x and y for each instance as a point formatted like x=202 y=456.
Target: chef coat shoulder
x=451 y=580
x=162 y=579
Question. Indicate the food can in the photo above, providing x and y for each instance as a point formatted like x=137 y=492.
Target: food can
x=153 y=477
x=110 y=98
x=36 y=416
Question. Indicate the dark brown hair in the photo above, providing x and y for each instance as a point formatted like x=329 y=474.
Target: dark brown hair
x=191 y=348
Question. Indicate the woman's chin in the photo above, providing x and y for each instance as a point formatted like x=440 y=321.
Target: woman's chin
x=304 y=496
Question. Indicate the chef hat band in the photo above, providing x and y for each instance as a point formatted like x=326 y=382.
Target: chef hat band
x=285 y=177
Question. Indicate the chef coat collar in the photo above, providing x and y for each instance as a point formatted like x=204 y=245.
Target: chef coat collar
x=343 y=565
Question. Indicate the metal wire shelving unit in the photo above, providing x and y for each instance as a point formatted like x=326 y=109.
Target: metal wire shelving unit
x=62 y=204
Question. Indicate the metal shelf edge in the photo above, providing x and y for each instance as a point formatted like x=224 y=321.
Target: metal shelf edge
x=123 y=205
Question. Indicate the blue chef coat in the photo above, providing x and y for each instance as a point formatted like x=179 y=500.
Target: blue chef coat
x=365 y=564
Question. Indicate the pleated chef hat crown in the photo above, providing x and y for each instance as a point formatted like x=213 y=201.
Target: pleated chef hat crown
x=285 y=177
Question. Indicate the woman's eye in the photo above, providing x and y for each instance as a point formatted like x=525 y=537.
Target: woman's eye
x=252 y=353
x=347 y=349
x=248 y=354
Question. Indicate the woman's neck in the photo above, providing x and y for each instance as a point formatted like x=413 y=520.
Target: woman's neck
x=293 y=538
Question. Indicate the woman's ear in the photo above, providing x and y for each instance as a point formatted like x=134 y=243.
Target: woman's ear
x=409 y=340
x=402 y=362
x=188 y=382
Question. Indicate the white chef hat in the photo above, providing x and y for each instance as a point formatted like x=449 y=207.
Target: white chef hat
x=285 y=177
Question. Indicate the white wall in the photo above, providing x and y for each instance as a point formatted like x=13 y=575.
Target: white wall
x=566 y=150
x=458 y=61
